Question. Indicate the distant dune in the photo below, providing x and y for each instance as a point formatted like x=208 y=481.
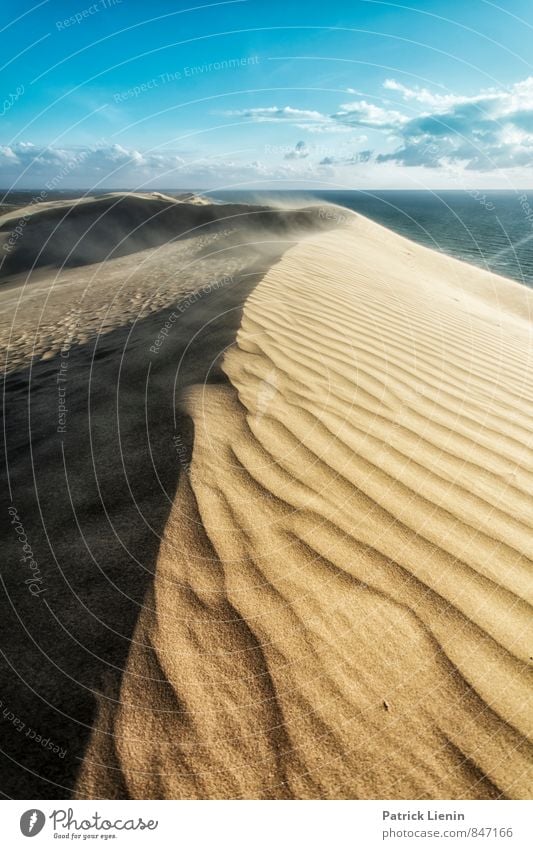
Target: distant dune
x=95 y=357
x=76 y=270
x=341 y=603
x=93 y=229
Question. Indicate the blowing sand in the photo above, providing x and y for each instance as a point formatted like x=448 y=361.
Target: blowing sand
x=290 y=552
x=341 y=600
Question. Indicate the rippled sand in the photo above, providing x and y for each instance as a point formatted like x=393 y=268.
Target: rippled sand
x=341 y=600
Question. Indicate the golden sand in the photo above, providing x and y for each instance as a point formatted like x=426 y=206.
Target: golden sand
x=341 y=602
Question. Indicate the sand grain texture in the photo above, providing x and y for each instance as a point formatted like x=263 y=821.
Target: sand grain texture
x=93 y=486
x=341 y=603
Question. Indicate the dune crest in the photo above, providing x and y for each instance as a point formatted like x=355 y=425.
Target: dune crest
x=88 y=230
x=342 y=601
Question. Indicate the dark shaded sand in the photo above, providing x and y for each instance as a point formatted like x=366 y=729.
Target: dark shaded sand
x=94 y=500
x=332 y=599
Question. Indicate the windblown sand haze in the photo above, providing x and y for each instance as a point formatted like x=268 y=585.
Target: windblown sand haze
x=341 y=599
x=281 y=512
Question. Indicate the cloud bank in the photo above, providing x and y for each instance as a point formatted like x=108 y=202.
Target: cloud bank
x=490 y=132
x=486 y=131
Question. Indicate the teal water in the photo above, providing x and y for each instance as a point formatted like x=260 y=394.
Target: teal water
x=492 y=229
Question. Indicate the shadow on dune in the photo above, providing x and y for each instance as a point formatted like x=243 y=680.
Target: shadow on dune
x=92 y=230
x=93 y=502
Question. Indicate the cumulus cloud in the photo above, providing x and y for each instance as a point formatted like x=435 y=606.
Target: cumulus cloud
x=423 y=95
x=304 y=119
x=55 y=164
x=95 y=160
x=280 y=114
x=490 y=130
x=360 y=113
x=26 y=164
x=357 y=158
x=300 y=151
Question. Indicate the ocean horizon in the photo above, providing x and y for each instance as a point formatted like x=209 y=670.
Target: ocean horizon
x=491 y=229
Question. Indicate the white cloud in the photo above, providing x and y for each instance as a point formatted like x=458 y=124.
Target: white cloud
x=358 y=113
x=116 y=165
x=423 y=95
x=64 y=165
x=486 y=131
x=303 y=119
x=363 y=114
x=299 y=151
x=357 y=158
x=278 y=114
x=489 y=131
x=27 y=155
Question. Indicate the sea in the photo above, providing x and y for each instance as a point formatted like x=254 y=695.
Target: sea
x=490 y=229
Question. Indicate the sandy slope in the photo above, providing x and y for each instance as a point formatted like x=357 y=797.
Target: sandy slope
x=340 y=606
x=95 y=357
x=77 y=269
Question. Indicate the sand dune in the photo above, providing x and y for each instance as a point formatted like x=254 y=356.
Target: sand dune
x=77 y=270
x=341 y=602
x=95 y=357
x=93 y=229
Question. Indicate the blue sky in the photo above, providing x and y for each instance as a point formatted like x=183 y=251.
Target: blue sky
x=252 y=94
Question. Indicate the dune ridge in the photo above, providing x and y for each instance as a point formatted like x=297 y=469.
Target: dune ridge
x=341 y=603
x=76 y=270
x=86 y=230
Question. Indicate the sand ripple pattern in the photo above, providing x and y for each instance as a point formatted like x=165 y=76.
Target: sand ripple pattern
x=342 y=601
